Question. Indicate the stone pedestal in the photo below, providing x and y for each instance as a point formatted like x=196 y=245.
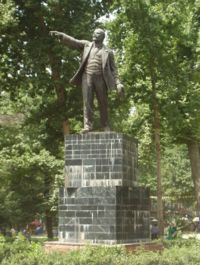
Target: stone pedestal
x=100 y=159
x=101 y=202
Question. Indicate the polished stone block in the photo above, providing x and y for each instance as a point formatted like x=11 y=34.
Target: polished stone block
x=104 y=214
x=100 y=159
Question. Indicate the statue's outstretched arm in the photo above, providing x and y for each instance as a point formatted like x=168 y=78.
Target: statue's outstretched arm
x=68 y=40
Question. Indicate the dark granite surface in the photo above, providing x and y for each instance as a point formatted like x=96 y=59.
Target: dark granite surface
x=104 y=214
x=101 y=202
x=100 y=159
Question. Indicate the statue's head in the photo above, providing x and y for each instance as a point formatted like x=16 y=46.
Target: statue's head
x=98 y=35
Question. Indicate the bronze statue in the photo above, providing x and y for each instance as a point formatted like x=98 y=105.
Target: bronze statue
x=96 y=75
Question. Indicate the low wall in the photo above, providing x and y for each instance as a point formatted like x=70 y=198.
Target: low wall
x=57 y=246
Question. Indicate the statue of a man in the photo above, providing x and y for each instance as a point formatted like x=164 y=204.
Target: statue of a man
x=97 y=74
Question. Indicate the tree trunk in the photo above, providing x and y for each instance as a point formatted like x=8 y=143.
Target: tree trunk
x=156 y=128
x=49 y=224
x=158 y=167
x=194 y=155
x=66 y=128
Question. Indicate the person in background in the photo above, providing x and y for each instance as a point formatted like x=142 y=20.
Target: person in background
x=154 y=229
x=196 y=223
x=172 y=231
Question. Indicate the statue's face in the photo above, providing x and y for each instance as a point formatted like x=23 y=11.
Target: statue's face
x=98 y=35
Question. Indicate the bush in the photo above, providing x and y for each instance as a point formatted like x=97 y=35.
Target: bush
x=22 y=252
x=180 y=242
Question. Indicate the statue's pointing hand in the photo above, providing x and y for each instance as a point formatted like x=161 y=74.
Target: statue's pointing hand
x=55 y=33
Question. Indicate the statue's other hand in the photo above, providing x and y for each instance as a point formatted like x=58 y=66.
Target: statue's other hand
x=120 y=90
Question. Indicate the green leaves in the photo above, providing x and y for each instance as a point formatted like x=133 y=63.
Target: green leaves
x=6 y=14
x=25 y=166
x=34 y=77
x=158 y=49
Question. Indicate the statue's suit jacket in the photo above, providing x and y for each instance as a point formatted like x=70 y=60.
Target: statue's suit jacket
x=109 y=69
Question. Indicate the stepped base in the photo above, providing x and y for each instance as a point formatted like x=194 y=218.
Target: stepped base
x=104 y=215
x=101 y=202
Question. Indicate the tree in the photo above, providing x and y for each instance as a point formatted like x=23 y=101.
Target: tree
x=154 y=37
x=185 y=96
x=35 y=72
x=142 y=42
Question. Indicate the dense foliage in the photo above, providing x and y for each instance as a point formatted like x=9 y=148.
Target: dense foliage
x=158 y=47
x=34 y=77
x=20 y=252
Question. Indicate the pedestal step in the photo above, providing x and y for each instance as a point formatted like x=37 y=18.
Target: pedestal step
x=104 y=214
